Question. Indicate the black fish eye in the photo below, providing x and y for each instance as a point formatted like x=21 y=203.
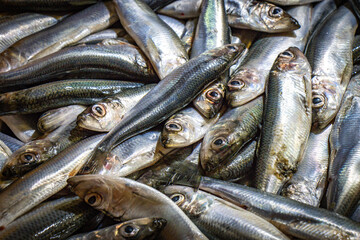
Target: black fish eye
x=174 y=127
x=218 y=142
x=129 y=229
x=214 y=94
x=287 y=53
x=99 y=110
x=235 y=83
x=316 y=100
x=175 y=198
x=276 y=11
x=28 y=157
x=92 y=199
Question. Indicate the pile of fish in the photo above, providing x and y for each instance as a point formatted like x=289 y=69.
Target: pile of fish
x=179 y=119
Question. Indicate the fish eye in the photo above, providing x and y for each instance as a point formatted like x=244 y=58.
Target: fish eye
x=93 y=199
x=275 y=12
x=98 y=110
x=232 y=48
x=219 y=143
x=173 y=127
x=235 y=84
x=318 y=101
x=214 y=95
x=27 y=157
x=129 y=230
x=177 y=198
x=287 y=54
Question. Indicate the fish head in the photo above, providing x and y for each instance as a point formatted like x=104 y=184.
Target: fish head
x=292 y=60
x=103 y=193
x=326 y=98
x=210 y=101
x=101 y=117
x=216 y=146
x=179 y=130
x=276 y=19
x=141 y=228
x=228 y=53
x=243 y=86
x=26 y=158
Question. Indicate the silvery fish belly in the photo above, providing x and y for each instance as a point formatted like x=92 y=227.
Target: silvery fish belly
x=344 y=181
x=287 y=101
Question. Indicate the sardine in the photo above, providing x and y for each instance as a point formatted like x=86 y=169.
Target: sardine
x=343 y=192
x=97 y=37
x=220 y=219
x=292 y=2
x=186 y=127
x=171 y=94
x=54 y=219
x=68 y=31
x=11 y=142
x=157 y=40
x=106 y=114
x=291 y=217
x=123 y=59
x=43 y=181
x=249 y=80
x=176 y=25
x=58 y=94
x=308 y=184
x=22 y=25
x=22 y=126
x=125 y=199
x=331 y=64
x=136 y=229
x=5 y=152
x=233 y=130
x=287 y=120
x=189 y=32
x=46 y=5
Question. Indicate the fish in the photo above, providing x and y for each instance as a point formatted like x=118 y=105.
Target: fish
x=342 y=193
x=45 y=5
x=188 y=35
x=125 y=199
x=12 y=143
x=72 y=29
x=22 y=126
x=293 y=2
x=237 y=168
x=44 y=181
x=176 y=25
x=289 y=216
x=220 y=219
x=245 y=14
x=209 y=35
x=186 y=127
x=98 y=37
x=122 y=60
x=61 y=218
x=106 y=114
x=22 y=25
x=142 y=228
x=331 y=75
x=233 y=130
x=130 y=156
x=59 y=94
x=55 y=118
x=36 y=152
x=321 y=11
x=308 y=184
x=248 y=81
x=156 y=39
x=288 y=101
x=5 y=152
x=170 y=95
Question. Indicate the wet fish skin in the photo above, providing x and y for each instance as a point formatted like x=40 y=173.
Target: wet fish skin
x=189 y=32
x=13 y=143
x=55 y=118
x=22 y=25
x=126 y=199
x=142 y=228
x=321 y=11
x=311 y=222
x=58 y=94
x=176 y=25
x=5 y=152
x=111 y=33
x=186 y=127
x=233 y=130
x=23 y=126
x=132 y=155
x=249 y=80
x=183 y=84
x=105 y=115
x=308 y=184
x=342 y=194
x=46 y=5
x=156 y=39
x=237 y=168
x=43 y=181
x=288 y=101
x=182 y=9
x=293 y=2
x=331 y=75
x=53 y=219
x=220 y=219
x=123 y=59
x=72 y=29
